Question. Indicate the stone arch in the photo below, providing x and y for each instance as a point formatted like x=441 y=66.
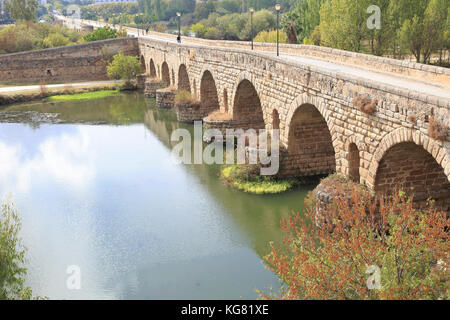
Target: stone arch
x=165 y=73
x=311 y=146
x=410 y=160
x=183 y=79
x=143 y=66
x=225 y=100
x=247 y=108
x=152 y=69
x=209 y=99
x=320 y=105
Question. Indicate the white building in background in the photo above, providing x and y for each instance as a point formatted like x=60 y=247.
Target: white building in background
x=114 y=1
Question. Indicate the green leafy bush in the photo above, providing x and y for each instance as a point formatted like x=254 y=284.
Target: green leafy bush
x=124 y=67
x=12 y=256
x=271 y=36
x=101 y=34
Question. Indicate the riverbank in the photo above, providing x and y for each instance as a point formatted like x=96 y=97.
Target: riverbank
x=17 y=94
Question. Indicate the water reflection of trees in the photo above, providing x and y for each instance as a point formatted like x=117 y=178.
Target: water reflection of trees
x=258 y=217
x=121 y=109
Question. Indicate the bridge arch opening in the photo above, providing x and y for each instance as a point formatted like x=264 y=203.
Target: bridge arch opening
x=310 y=148
x=143 y=66
x=247 y=106
x=165 y=73
x=353 y=162
x=410 y=168
x=209 y=99
x=183 y=79
x=152 y=69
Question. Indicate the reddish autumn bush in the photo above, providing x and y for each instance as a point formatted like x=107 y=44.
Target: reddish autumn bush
x=368 y=249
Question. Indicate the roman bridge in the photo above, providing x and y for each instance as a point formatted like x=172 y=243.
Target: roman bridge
x=380 y=121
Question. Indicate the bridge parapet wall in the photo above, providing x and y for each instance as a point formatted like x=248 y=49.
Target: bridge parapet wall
x=81 y=62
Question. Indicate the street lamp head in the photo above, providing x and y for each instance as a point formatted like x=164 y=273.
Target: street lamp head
x=178 y=14
x=252 y=10
x=277 y=7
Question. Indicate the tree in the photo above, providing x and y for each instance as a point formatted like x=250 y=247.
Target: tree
x=291 y=26
x=199 y=30
x=358 y=247
x=124 y=67
x=343 y=23
x=12 y=256
x=101 y=34
x=22 y=9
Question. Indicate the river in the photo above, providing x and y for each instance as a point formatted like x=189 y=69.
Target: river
x=97 y=189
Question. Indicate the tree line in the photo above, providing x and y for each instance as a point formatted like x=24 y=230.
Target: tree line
x=417 y=27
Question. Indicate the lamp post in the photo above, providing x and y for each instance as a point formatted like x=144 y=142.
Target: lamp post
x=251 y=23
x=179 y=27
x=278 y=8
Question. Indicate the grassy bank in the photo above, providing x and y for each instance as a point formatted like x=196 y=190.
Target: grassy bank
x=83 y=96
x=66 y=93
x=246 y=178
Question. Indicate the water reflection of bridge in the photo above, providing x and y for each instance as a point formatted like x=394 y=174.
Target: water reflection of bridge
x=258 y=217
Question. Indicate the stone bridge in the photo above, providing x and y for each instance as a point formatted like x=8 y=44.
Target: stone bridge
x=381 y=121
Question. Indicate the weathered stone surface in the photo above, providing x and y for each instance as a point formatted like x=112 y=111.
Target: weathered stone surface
x=81 y=62
x=321 y=129
x=165 y=98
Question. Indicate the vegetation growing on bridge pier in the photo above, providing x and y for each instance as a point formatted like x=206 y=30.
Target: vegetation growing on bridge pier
x=247 y=178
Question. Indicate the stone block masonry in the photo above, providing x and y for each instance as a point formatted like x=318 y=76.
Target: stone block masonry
x=81 y=62
x=151 y=86
x=321 y=129
x=165 y=98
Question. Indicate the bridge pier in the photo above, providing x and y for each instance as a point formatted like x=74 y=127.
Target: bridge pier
x=151 y=86
x=165 y=98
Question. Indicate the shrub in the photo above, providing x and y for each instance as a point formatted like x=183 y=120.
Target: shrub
x=183 y=97
x=101 y=34
x=12 y=256
x=55 y=40
x=412 y=118
x=124 y=67
x=363 y=239
x=436 y=130
x=365 y=104
x=271 y=37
